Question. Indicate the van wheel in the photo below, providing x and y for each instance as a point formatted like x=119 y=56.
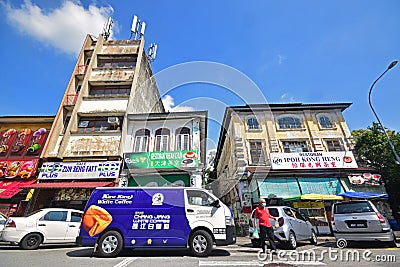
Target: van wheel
x=313 y=239
x=200 y=243
x=292 y=240
x=110 y=244
x=31 y=241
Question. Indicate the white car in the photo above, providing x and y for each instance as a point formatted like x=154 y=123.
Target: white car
x=44 y=226
x=3 y=220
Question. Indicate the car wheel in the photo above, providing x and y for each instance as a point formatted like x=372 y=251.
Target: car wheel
x=256 y=243
x=200 y=243
x=292 y=240
x=110 y=244
x=31 y=241
x=313 y=239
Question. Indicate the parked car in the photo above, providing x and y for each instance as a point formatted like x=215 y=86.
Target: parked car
x=293 y=227
x=44 y=226
x=360 y=221
x=3 y=219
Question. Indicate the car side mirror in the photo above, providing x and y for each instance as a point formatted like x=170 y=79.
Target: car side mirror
x=215 y=203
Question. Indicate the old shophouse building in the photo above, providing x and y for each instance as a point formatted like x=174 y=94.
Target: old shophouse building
x=295 y=154
x=165 y=149
x=21 y=141
x=111 y=78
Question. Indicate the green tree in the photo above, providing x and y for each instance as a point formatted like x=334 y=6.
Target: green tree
x=373 y=150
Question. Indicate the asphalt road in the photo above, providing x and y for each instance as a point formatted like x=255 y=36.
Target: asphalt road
x=240 y=254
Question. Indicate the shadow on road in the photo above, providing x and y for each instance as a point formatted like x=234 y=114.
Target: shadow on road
x=88 y=252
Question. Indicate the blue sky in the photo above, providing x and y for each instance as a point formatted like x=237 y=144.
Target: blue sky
x=293 y=51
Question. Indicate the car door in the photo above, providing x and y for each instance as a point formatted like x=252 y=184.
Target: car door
x=74 y=221
x=303 y=230
x=54 y=225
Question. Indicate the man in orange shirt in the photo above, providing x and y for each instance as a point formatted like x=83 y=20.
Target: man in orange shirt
x=266 y=230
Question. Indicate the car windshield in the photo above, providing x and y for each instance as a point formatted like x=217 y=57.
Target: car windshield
x=353 y=207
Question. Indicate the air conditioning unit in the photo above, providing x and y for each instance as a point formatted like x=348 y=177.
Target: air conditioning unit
x=113 y=121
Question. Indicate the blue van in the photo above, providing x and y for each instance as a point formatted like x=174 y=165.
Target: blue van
x=155 y=217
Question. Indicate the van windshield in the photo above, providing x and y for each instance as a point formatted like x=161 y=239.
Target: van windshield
x=353 y=207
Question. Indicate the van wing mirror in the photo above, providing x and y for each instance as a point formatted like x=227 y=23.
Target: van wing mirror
x=215 y=203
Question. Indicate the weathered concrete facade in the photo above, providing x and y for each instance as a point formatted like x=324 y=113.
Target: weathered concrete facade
x=110 y=78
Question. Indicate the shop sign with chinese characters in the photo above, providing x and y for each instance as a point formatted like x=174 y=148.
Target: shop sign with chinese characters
x=162 y=159
x=313 y=160
x=84 y=170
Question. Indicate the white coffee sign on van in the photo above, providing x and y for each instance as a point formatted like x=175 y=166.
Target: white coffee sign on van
x=313 y=160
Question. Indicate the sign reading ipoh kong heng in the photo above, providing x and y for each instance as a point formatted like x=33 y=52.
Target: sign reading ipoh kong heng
x=313 y=160
x=162 y=159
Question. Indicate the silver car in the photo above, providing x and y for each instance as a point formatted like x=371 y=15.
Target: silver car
x=293 y=227
x=360 y=221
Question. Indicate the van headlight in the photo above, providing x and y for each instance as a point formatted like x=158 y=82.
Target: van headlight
x=229 y=220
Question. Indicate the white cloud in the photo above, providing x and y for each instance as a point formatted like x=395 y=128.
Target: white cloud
x=281 y=59
x=64 y=28
x=169 y=105
x=286 y=97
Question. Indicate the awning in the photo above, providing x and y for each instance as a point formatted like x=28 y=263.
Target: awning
x=10 y=188
x=364 y=195
x=69 y=185
x=315 y=197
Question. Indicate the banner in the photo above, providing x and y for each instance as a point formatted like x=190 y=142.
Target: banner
x=162 y=159
x=76 y=170
x=313 y=160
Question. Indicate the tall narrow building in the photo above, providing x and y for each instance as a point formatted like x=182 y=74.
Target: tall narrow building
x=111 y=78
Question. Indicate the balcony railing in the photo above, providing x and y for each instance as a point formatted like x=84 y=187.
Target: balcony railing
x=81 y=69
x=70 y=100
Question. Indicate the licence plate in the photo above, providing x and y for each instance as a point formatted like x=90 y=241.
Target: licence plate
x=357 y=224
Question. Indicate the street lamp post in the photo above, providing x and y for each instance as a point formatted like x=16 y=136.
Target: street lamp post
x=373 y=110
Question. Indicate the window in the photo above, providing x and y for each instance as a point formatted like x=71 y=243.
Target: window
x=199 y=198
x=115 y=90
x=334 y=145
x=289 y=123
x=56 y=216
x=116 y=62
x=141 y=140
x=76 y=217
x=256 y=152
x=183 y=138
x=295 y=146
x=98 y=124
x=288 y=212
x=162 y=139
x=252 y=123
x=66 y=122
x=325 y=122
x=298 y=215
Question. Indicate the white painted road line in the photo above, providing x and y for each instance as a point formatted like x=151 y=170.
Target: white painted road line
x=257 y=263
x=126 y=262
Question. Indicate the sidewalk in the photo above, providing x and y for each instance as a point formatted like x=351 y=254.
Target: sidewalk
x=242 y=240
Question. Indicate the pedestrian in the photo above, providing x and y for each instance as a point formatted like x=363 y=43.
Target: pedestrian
x=266 y=229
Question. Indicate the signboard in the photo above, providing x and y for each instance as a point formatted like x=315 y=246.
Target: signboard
x=76 y=170
x=18 y=168
x=325 y=186
x=313 y=160
x=162 y=159
x=365 y=179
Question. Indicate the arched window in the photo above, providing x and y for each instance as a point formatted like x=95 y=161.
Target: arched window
x=252 y=123
x=325 y=121
x=162 y=140
x=182 y=138
x=289 y=123
x=142 y=140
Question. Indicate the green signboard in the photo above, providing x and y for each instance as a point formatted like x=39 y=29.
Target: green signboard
x=162 y=159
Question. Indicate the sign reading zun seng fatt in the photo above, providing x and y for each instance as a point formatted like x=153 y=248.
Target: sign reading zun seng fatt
x=162 y=159
x=313 y=160
x=85 y=170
